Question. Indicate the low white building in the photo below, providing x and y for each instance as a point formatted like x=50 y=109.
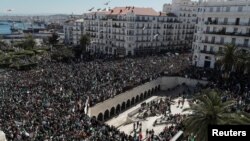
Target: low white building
x=134 y=30
x=220 y=22
x=73 y=30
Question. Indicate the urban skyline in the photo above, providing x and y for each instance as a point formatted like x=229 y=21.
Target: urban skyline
x=45 y=7
x=124 y=70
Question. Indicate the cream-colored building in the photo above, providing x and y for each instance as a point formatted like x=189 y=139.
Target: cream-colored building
x=134 y=30
x=220 y=22
x=186 y=11
x=73 y=30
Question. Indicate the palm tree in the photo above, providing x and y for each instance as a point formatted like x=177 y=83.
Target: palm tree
x=210 y=110
x=229 y=59
x=247 y=64
x=245 y=57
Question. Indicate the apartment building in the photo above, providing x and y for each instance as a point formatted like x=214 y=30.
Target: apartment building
x=220 y=22
x=134 y=30
x=186 y=11
x=73 y=30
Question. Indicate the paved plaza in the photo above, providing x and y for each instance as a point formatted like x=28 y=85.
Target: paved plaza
x=149 y=121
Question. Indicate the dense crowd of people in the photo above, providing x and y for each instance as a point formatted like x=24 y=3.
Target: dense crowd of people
x=170 y=131
x=47 y=103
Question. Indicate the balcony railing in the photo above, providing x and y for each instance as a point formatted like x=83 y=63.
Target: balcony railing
x=227 y=33
x=223 y=43
x=207 y=52
x=226 y=23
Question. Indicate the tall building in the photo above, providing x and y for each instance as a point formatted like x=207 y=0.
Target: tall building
x=186 y=11
x=134 y=30
x=220 y=22
x=73 y=30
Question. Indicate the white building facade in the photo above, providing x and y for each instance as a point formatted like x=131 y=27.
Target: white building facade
x=220 y=22
x=73 y=30
x=133 y=30
x=186 y=11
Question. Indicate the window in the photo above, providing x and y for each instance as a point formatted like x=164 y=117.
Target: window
x=228 y=9
x=211 y=49
x=214 y=29
x=211 y=9
x=240 y=8
x=208 y=29
x=233 y=40
x=218 y=9
x=206 y=39
x=205 y=48
x=213 y=40
x=208 y=57
x=246 y=42
x=237 y=21
x=225 y=20
x=235 y=30
x=222 y=40
x=209 y=19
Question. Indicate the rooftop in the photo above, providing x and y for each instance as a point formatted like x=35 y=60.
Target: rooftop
x=135 y=10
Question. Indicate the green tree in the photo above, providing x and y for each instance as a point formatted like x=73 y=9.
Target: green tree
x=247 y=64
x=244 y=61
x=84 y=42
x=54 y=39
x=62 y=54
x=210 y=110
x=2 y=43
x=29 y=43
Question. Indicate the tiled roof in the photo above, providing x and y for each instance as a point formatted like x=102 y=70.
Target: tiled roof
x=135 y=10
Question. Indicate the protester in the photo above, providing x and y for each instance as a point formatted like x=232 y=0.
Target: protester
x=48 y=102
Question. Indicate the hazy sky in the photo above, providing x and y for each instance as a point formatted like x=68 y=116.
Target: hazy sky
x=69 y=6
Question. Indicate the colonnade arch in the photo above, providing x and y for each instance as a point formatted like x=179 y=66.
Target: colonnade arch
x=108 y=113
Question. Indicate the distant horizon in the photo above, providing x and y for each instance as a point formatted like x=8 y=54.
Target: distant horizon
x=37 y=14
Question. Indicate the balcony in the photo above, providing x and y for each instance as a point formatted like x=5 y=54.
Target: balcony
x=116 y=26
x=145 y=41
x=207 y=52
x=243 y=46
x=143 y=34
x=118 y=33
x=119 y=19
x=137 y=20
x=226 y=23
x=227 y=33
x=120 y=40
x=209 y=42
